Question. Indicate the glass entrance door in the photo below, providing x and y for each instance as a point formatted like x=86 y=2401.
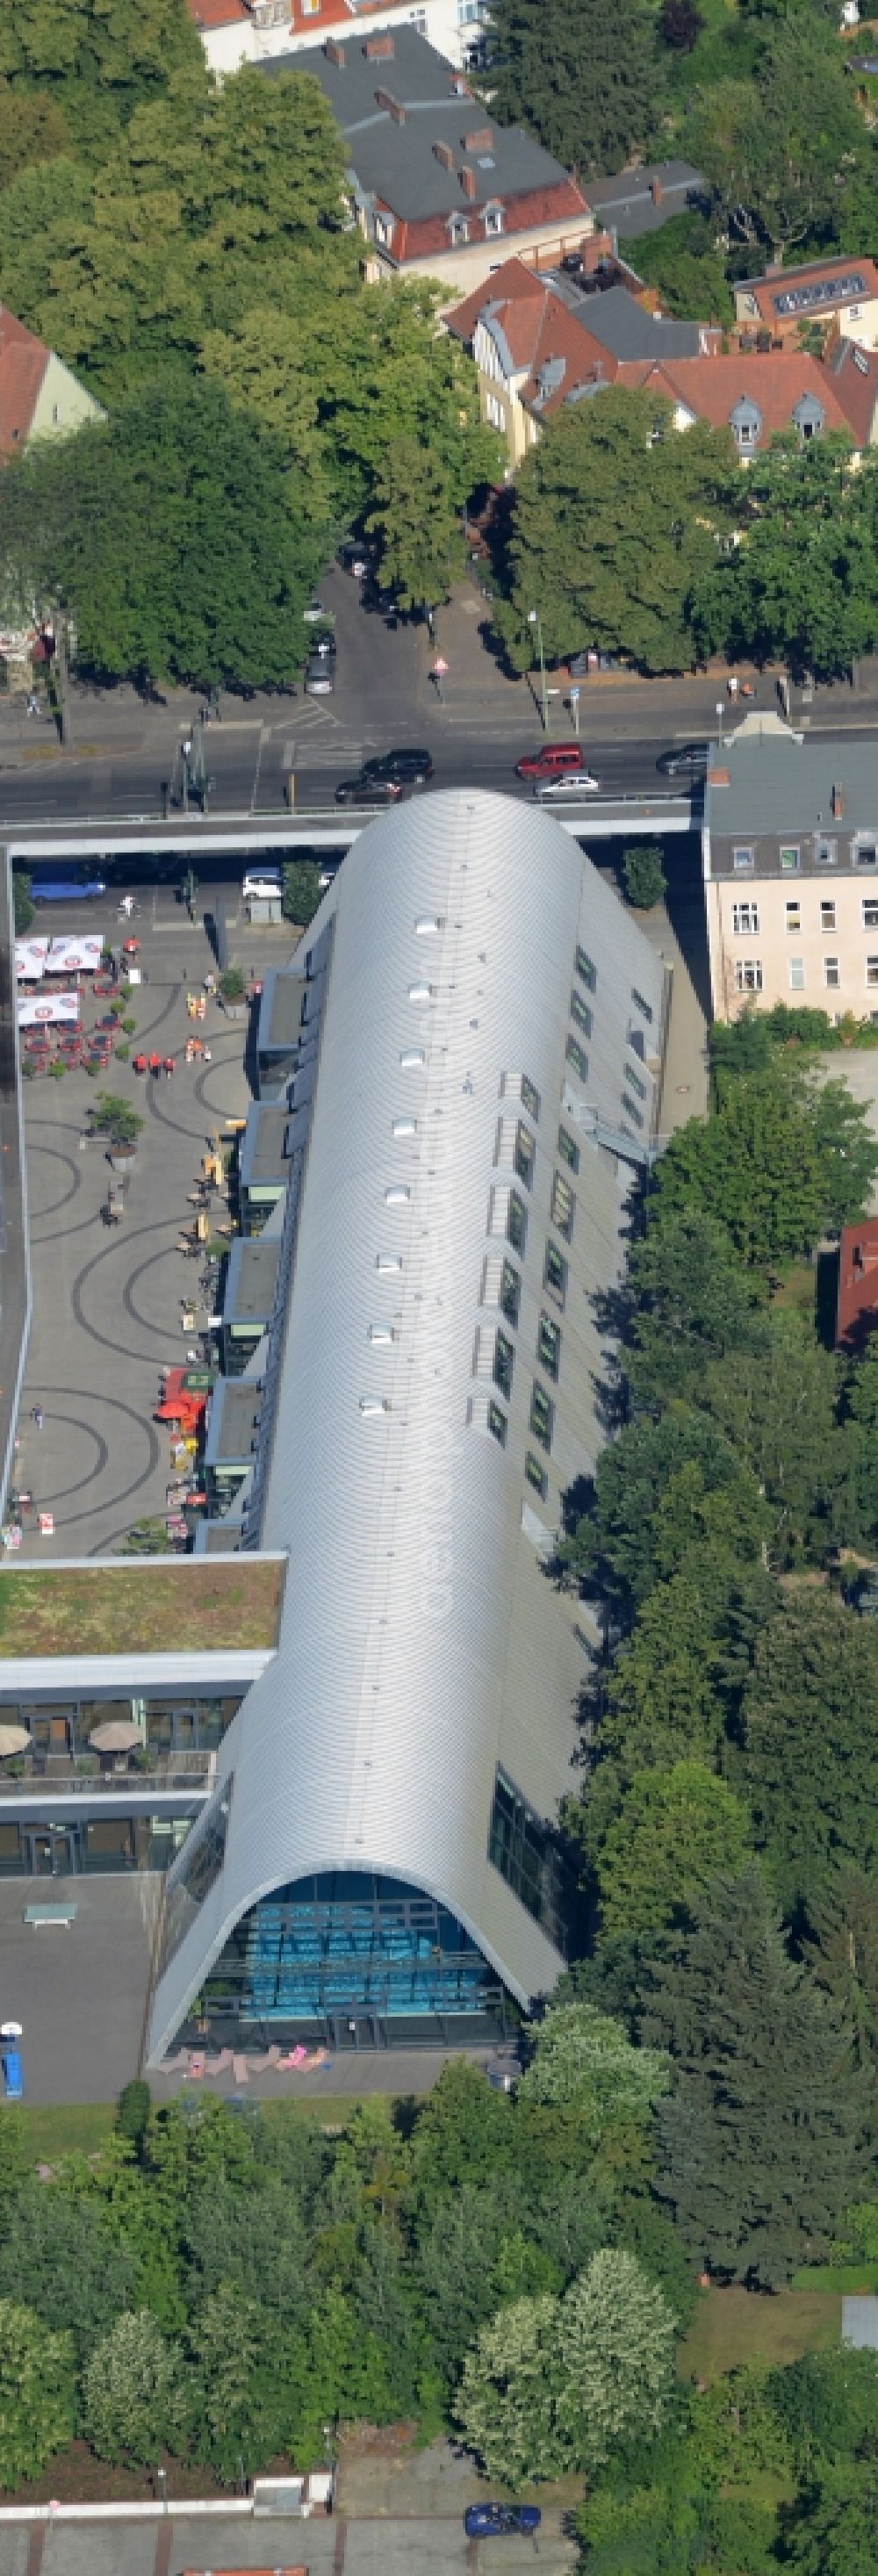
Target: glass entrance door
x=53 y=1850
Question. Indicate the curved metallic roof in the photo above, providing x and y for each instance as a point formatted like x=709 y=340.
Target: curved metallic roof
x=421 y=1642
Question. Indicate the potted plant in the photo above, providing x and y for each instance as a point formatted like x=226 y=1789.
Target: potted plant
x=233 y=992
x=114 y=1118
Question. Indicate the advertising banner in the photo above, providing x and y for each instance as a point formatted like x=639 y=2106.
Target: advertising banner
x=46 y=1011
x=30 y=959
x=75 y=956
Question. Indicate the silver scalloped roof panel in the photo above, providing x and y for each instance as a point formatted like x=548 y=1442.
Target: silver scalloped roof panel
x=422 y=1642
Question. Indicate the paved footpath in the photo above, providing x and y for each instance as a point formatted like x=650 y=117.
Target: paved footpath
x=323 y=2546
x=107 y=1304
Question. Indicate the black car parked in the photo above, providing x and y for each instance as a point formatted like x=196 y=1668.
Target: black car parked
x=684 y=760
x=367 y=791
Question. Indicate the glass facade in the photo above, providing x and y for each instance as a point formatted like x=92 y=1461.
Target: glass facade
x=352 y=1950
x=525 y=1850
x=199 y=1871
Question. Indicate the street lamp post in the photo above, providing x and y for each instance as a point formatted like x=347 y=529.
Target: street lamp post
x=719 y=710
x=534 y=619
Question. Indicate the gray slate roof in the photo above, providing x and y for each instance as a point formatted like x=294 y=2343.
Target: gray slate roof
x=625 y=327
x=396 y=162
x=626 y=203
x=780 y=789
x=859 y=2323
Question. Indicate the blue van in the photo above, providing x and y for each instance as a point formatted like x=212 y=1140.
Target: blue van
x=13 y=2074
x=66 y=889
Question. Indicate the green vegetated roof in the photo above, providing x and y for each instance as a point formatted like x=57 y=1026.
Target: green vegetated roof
x=188 y=1607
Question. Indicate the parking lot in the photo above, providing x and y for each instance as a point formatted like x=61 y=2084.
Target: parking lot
x=336 y=2547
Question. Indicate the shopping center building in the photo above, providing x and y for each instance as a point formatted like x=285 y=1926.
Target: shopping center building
x=353 y=1755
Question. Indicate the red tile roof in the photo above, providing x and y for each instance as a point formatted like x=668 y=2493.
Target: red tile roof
x=23 y=363
x=426 y=236
x=816 y=272
x=857 y=1310
x=854 y=374
x=774 y=382
x=218 y=13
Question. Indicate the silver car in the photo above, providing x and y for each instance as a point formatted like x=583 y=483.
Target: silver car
x=564 y=790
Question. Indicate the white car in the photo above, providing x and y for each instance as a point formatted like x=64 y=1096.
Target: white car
x=315 y=614
x=265 y=885
x=564 y=790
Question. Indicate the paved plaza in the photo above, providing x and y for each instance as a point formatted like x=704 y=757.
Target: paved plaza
x=333 y=2547
x=107 y=1302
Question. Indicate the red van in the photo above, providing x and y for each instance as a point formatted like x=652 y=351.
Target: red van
x=553 y=760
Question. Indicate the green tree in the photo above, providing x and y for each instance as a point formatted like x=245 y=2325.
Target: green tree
x=591 y=92
x=615 y=522
x=36 y=2393
x=759 y=2143
x=417 y=524
x=649 y=1507
x=134 y=2402
x=781 y=144
x=59 y=2257
x=133 y=2111
x=777 y=1164
x=811 y=1743
x=301 y=891
x=98 y=63
x=23 y=906
x=615 y=2358
x=241 y=2413
x=801 y=584
x=644 y=877
x=171 y=534
x=832 y=2529
x=694 y=1302
x=32 y=129
x=683 y=262
x=506 y=2403
x=675 y=1830
x=584 y=2061
x=842 y=1952
x=827 y=2404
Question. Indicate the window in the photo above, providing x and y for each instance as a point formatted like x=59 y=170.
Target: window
x=636 y=1115
x=640 y=1005
x=201 y=1861
x=872 y=970
x=418 y=20
x=510 y=1292
x=577 y=1058
x=535 y=1474
x=493 y=219
x=494 y=412
x=516 y=1222
x=870 y=914
x=586 y=969
x=580 y=1013
x=563 y=1204
x=745 y=920
x=522 y=1847
x=459 y=232
x=634 y=1082
x=541 y=1411
x=748 y=975
x=744 y=859
x=525 y=1150
x=549 y=1345
x=825 y=853
x=789 y=857
x=497 y=1424
x=383 y=231
x=555 y=1273
x=794 y=917
x=865 y=854
x=530 y=1098
x=796 y=974
x=827 y=916
x=504 y=1363
x=568 y=1149
x=831 y=976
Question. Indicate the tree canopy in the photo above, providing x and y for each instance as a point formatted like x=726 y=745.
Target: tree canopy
x=586 y=84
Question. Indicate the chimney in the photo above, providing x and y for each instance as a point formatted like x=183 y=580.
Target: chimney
x=479 y=141
x=335 y=53
x=837 y=801
x=656 y=192
x=442 y=153
x=378 y=49
x=468 y=182
x=385 y=98
x=718 y=777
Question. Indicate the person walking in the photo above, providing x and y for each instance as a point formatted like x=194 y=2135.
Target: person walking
x=38 y=1416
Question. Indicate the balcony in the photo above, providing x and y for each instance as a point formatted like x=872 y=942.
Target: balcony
x=87 y=1775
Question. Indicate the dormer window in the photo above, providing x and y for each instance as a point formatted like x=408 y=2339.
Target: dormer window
x=745 y=423
x=458 y=230
x=493 y=219
x=384 y=231
x=809 y=417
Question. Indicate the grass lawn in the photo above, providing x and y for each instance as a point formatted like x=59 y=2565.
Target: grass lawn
x=64 y=2128
x=733 y=2326
x=144 y=1608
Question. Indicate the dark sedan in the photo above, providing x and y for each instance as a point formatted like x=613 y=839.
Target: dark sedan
x=367 y=791
x=499 y=2521
x=684 y=760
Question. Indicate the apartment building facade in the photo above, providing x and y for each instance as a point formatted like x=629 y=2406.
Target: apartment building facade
x=790 y=847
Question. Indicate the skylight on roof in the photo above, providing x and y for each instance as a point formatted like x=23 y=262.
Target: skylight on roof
x=821 y=290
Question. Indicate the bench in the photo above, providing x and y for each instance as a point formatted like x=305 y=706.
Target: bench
x=41 y=1913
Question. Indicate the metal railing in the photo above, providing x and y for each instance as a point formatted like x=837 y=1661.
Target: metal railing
x=72 y=1776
